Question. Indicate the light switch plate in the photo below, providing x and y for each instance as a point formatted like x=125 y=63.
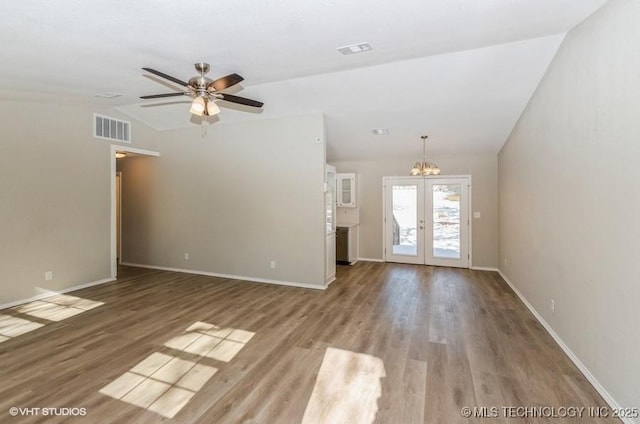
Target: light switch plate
x=476 y=214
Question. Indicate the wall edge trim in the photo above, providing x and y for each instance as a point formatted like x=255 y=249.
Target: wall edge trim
x=613 y=404
x=235 y=277
x=484 y=268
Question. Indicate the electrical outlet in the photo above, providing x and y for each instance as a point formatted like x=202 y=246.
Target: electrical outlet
x=505 y=262
x=48 y=276
x=553 y=306
x=273 y=264
x=186 y=256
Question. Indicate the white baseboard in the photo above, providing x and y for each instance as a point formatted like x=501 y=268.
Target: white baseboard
x=583 y=369
x=50 y=293
x=330 y=281
x=371 y=260
x=483 y=268
x=234 y=277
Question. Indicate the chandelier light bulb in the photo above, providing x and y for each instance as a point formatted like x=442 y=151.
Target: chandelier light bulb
x=424 y=168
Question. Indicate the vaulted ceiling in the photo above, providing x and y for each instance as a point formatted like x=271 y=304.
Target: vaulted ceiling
x=461 y=71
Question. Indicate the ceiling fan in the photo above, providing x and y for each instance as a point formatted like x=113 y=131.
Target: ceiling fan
x=205 y=91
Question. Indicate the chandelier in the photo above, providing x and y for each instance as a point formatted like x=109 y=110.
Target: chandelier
x=424 y=168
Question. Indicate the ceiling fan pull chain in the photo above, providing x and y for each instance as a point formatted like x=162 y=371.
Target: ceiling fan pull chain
x=204 y=127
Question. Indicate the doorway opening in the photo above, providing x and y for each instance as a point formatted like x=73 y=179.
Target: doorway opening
x=116 y=185
x=426 y=220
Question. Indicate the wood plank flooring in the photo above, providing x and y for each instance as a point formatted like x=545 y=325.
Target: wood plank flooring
x=427 y=341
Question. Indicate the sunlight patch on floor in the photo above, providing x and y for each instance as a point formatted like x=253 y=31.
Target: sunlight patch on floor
x=11 y=327
x=164 y=383
x=203 y=339
x=58 y=307
x=160 y=383
x=347 y=389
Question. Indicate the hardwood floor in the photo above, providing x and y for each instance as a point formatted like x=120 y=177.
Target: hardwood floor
x=401 y=343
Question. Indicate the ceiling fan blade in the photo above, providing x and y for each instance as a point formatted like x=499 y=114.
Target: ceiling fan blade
x=156 y=96
x=225 y=82
x=240 y=100
x=165 y=76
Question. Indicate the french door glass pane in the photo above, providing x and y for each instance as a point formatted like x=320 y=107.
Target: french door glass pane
x=405 y=219
x=446 y=221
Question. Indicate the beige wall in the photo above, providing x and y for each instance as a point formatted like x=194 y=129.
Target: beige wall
x=484 y=173
x=569 y=198
x=55 y=191
x=235 y=200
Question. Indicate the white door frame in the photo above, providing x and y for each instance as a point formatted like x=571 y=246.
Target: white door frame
x=389 y=256
x=119 y=148
x=330 y=238
x=386 y=255
x=430 y=259
x=119 y=215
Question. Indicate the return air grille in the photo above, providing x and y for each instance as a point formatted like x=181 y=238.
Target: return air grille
x=111 y=129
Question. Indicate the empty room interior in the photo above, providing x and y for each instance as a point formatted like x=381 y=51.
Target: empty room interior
x=320 y=212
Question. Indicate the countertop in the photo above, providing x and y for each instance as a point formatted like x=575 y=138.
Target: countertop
x=347 y=224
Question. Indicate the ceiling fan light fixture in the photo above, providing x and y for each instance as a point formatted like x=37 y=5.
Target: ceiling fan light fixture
x=212 y=108
x=197 y=106
x=203 y=89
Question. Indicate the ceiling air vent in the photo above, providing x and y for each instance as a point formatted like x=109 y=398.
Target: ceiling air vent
x=355 y=48
x=111 y=129
x=380 y=131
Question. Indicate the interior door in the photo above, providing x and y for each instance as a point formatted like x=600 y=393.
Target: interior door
x=426 y=220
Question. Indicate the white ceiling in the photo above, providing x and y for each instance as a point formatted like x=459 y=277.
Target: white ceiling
x=459 y=70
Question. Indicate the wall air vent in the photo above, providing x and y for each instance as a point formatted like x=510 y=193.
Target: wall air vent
x=111 y=129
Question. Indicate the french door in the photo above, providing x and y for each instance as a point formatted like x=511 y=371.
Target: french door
x=426 y=220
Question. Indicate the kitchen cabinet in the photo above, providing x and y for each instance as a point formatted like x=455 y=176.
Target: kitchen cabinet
x=347 y=244
x=346 y=190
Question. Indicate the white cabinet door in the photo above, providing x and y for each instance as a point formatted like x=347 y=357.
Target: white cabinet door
x=346 y=190
x=330 y=256
x=353 y=245
x=330 y=223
